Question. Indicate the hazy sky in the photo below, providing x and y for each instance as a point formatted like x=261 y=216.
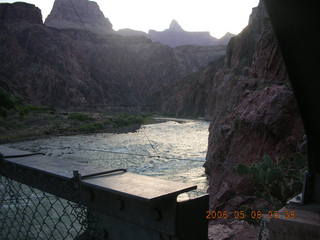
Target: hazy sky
x=216 y=16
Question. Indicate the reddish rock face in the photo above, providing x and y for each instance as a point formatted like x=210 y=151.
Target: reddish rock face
x=253 y=109
x=20 y=12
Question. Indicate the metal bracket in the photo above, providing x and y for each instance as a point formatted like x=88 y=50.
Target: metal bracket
x=21 y=155
x=123 y=170
x=77 y=179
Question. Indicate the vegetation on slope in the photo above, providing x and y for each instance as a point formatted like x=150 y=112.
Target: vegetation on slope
x=276 y=180
x=19 y=121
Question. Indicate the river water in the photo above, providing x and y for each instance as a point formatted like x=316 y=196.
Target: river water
x=173 y=150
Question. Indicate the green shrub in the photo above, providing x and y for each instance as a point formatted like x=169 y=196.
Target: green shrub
x=124 y=120
x=3 y=112
x=276 y=181
x=107 y=121
x=23 y=110
x=91 y=127
x=40 y=109
x=7 y=102
x=79 y=117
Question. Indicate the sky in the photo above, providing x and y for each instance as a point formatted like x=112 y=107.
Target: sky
x=215 y=16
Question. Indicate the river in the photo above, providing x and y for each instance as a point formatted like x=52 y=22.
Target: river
x=173 y=150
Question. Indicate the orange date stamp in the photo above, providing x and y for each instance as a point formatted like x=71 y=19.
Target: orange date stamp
x=254 y=215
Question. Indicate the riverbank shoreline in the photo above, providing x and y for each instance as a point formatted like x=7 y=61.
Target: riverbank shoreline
x=47 y=124
x=41 y=125
x=16 y=139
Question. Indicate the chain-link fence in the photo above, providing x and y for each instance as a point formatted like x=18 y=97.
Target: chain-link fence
x=30 y=214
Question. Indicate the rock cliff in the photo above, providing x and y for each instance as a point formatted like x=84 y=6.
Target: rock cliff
x=20 y=12
x=78 y=14
x=253 y=111
x=188 y=97
x=75 y=67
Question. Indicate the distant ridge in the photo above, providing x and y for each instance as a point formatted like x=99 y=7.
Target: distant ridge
x=175 y=36
x=130 y=32
x=86 y=15
x=175 y=26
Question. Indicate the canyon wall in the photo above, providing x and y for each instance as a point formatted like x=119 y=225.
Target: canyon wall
x=188 y=97
x=253 y=112
x=79 y=68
